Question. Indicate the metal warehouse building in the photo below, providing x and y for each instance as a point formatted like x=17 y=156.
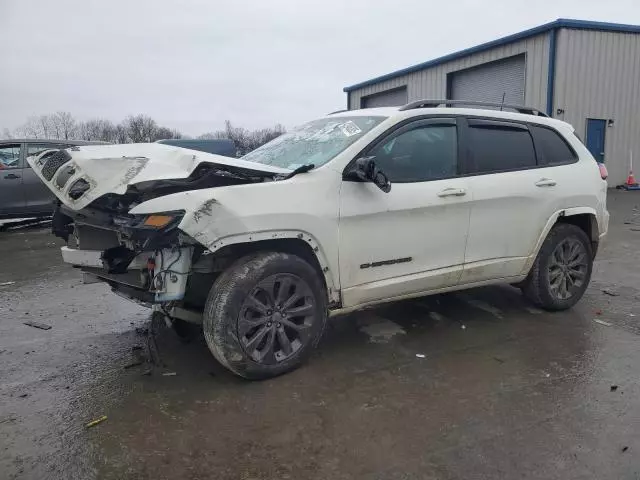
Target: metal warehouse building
x=585 y=73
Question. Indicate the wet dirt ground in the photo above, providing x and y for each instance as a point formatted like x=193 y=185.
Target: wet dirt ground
x=473 y=385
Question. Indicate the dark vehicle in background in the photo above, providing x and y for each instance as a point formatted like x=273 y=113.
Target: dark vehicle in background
x=22 y=194
x=219 y=147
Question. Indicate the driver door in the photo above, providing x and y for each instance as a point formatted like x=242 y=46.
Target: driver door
x=412 y=239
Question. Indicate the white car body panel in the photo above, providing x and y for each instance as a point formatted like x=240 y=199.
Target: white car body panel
x=305 y=206
x=111 y=168
x=425 y=233
x=490 y=233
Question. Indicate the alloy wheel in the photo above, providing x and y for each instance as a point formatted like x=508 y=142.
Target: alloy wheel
x=275 y=319
x=568 y=268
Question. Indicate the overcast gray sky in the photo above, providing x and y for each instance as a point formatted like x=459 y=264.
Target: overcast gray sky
x=191 y=64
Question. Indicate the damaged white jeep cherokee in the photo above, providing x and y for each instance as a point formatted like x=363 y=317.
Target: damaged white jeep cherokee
x=347 y=211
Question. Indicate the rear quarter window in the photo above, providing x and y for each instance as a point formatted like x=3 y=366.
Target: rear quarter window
x=552 y=149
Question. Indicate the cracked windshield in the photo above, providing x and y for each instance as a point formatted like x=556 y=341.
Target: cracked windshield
x=314 y=143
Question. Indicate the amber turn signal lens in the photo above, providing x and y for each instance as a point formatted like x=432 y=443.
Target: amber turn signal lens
x=157 y=221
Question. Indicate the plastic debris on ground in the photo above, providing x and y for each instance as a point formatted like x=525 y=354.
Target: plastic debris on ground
x=96 y=421
x=133 y=364
x=611 y=293
x=41 y=326
x=5 y=284
x=602 y=322
x=614 y=388
x=169 y=374
x=421 y=355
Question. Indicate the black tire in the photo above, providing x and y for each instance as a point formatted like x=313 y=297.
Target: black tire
x=547 y=272
x=262 y=277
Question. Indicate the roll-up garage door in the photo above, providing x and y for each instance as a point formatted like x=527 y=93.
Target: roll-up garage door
x=489 y=82
x=388 y=98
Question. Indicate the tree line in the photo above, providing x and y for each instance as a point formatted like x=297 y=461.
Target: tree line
x=133 y=129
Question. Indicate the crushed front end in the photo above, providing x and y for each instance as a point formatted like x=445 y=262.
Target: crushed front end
x=145 y=258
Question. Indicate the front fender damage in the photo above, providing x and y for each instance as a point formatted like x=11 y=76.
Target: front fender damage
x=215 y=228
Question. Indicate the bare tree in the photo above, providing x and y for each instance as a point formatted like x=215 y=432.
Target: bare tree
x=218 y=135
x=141 y=128
x=62 y=125
x=65 y=125
x=98 y=129
x=245 y=140
x=6 y=133
x=121 y=135
x=46 y=125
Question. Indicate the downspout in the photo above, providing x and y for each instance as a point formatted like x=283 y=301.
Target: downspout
x=551 y=73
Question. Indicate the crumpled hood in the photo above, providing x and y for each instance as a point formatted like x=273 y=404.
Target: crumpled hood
x=111 y=168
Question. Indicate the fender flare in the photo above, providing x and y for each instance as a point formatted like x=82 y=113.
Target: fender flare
x=565 y=212
x=331 y=278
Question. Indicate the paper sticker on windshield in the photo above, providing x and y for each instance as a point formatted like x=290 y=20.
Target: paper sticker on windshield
x=349 y=129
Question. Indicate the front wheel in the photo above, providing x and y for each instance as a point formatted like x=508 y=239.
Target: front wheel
x=265 y=314
x=562 y=270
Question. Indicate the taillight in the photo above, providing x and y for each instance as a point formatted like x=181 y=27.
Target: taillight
x=603 y=171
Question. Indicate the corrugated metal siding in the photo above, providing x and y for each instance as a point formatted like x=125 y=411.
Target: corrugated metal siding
x=432 y=82
x=597 y=77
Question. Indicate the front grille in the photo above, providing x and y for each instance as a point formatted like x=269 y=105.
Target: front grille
x=54 y=162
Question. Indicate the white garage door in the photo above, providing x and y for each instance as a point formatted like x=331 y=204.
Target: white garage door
x=489 y=82
x=388 y=98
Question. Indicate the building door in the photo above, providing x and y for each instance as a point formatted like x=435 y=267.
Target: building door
x=596 y=129
x=389 y=98
x=491 y=82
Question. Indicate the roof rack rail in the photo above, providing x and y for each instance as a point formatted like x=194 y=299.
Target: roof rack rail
x=471 y=103
x=338 y=111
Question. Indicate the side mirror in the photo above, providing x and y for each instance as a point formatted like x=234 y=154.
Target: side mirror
x=365 y=170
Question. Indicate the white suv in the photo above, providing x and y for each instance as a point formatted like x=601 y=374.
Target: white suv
x=347 y=211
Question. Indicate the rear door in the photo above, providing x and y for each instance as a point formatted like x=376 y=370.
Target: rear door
x=11 y=194
x=38 y=197
x=514 y=196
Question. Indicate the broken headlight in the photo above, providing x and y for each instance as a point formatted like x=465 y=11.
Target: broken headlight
x=152 y=221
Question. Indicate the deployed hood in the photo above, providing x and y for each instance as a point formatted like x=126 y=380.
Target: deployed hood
x=80 y=175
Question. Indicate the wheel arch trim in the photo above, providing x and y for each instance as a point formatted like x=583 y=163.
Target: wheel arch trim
x=331 y=276
x=553 y=219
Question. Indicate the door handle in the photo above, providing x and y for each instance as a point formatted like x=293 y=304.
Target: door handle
x=545 y=182
x=12 y=176
x=452 y=192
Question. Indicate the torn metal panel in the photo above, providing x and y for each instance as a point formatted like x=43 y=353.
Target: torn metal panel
x=93 y=171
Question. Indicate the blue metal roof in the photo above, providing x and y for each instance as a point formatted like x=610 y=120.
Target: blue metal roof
x=560 y=23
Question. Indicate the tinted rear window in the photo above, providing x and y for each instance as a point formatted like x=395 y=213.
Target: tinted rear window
x=496 y=146
x=551 y=147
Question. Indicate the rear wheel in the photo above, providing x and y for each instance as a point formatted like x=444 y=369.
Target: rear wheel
x=265 y=314
x=562 y=270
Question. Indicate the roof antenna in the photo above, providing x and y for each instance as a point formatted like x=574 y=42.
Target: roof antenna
x=502 y=103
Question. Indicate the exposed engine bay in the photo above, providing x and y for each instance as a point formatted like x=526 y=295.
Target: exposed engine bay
x=145 y=258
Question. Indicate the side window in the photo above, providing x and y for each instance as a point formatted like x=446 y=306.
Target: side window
x=427 y=152
x=9 y=156
x=500 y=146
x=551 y=147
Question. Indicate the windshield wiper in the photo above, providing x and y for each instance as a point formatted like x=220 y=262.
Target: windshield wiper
x=300 y=169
